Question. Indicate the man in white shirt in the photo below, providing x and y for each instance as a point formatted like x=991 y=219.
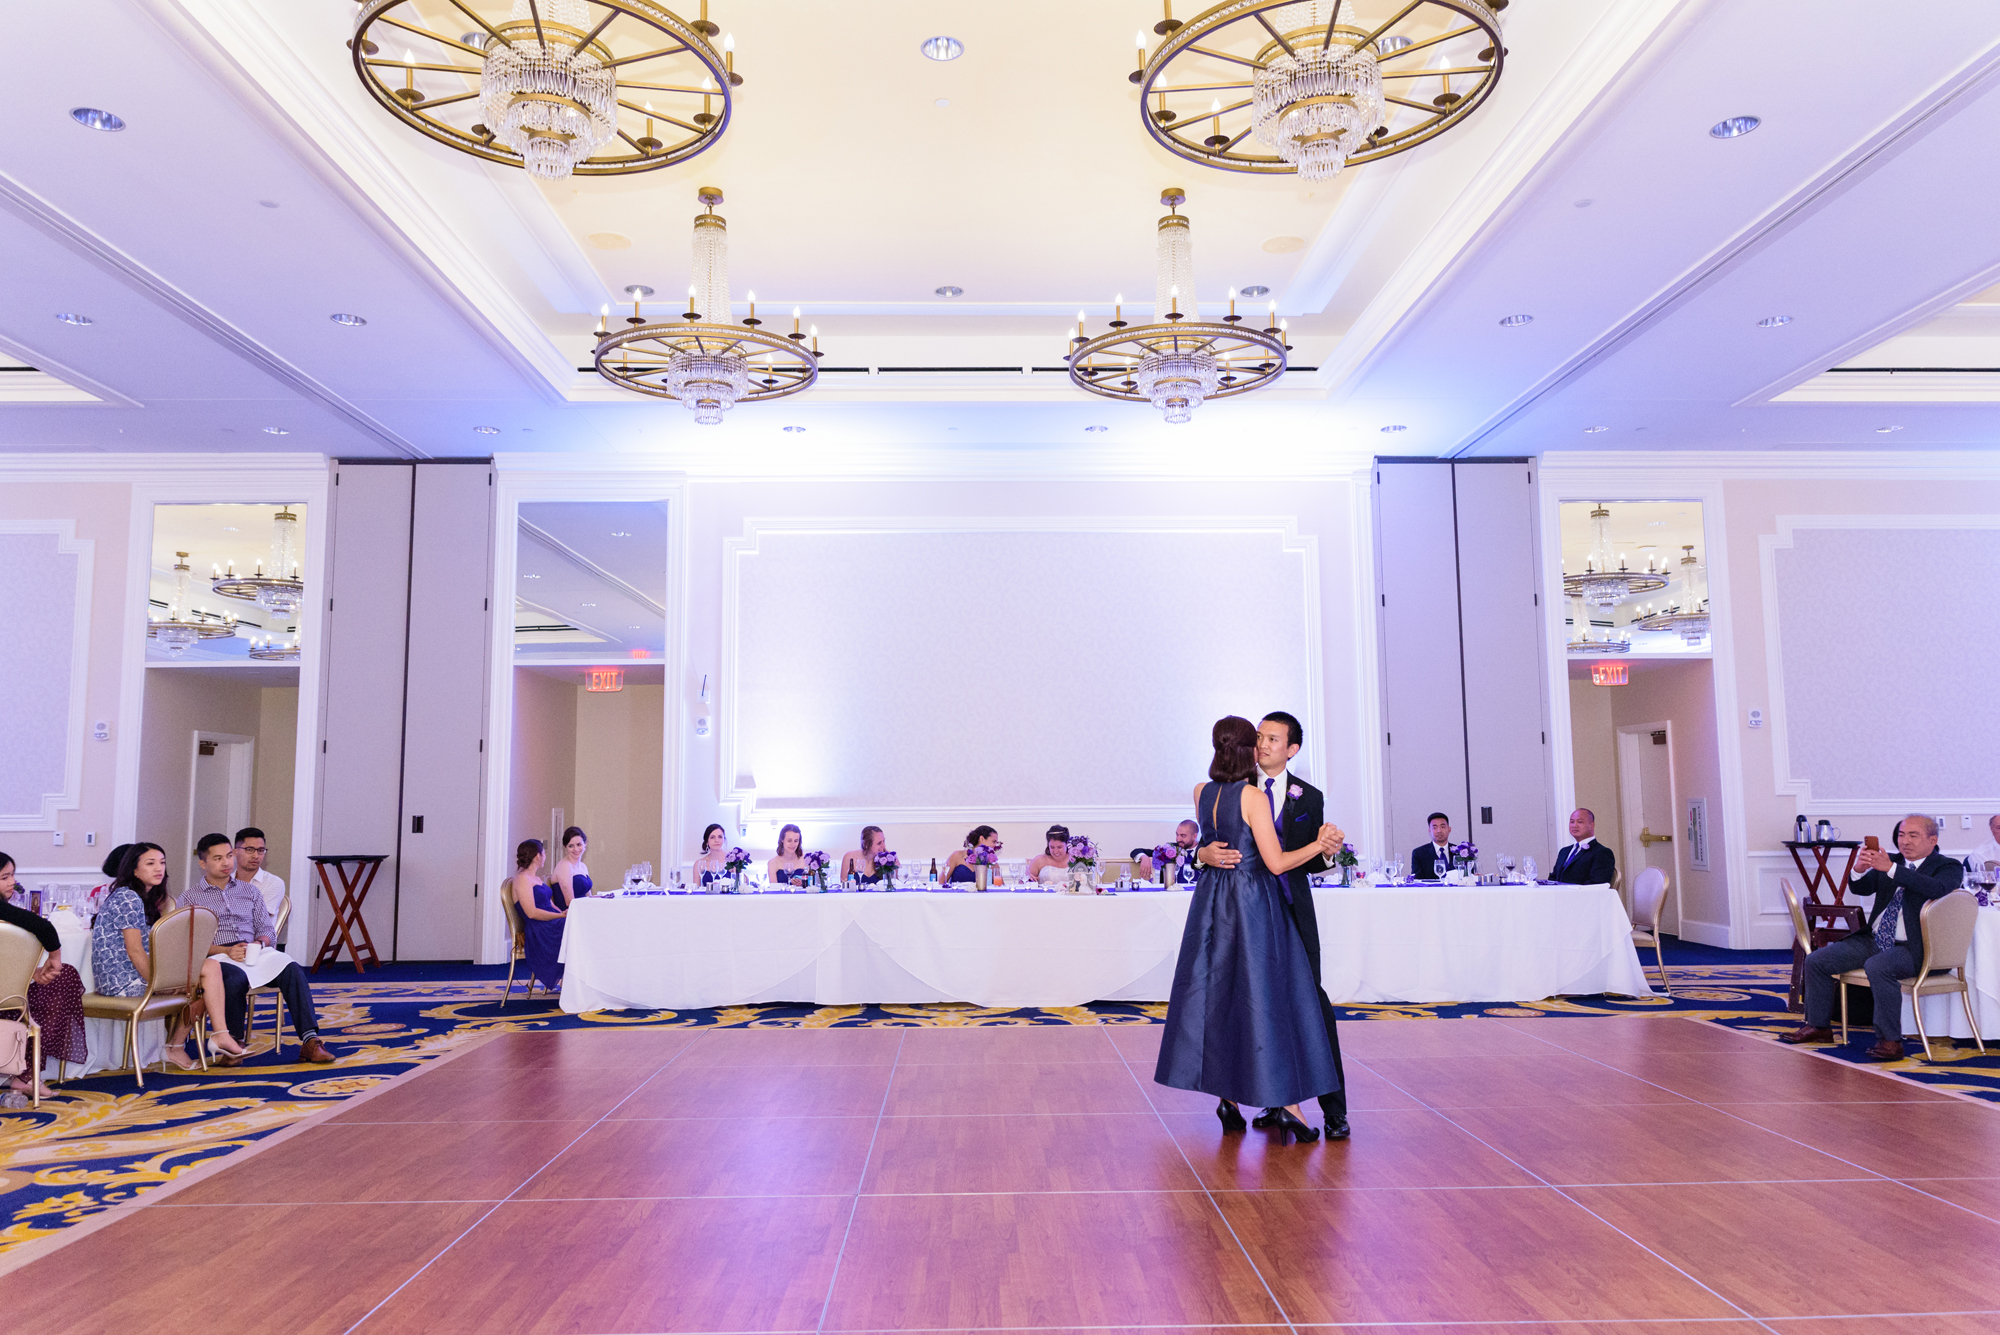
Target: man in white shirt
x=1585 y=862
x=251 y=850
x=1990 y=850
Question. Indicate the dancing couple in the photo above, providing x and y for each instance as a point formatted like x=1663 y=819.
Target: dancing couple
x=1247 y=1021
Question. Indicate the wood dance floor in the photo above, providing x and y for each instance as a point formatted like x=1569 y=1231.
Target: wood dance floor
x=1637 y=1175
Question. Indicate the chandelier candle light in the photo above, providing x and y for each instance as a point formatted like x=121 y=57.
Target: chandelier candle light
x=184 y=626
x=1600 y=585
x=1688 y=617
x=706 y=360
x=558 y=87
x=1179 y=361
x=277 y=588
x=1318 y=83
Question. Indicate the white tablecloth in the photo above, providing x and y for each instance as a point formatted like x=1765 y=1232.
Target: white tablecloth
x=1428 y=944
x=1946 y=1014
x=106 y=1038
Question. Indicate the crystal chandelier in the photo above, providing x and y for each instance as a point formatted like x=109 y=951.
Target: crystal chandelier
x=269 y=650
x=1588 y=639
x=1318 y=84
x=1687 y=618
x=707 y=362
x=1601 y=586
x=183 y=626
x=279 y=592
x=1179 y=361
x=558 y=87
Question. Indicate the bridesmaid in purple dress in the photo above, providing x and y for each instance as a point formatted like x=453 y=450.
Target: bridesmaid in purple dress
x=543 y=920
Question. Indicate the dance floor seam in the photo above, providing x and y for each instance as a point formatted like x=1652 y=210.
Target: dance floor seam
x=946 y=1187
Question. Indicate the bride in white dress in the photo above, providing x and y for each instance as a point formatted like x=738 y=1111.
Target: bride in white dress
x=1051 y=867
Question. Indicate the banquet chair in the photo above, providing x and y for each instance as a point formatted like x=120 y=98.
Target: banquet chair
x=20 y=952
x=270 y=990
x=1799 y=929
x=181 y=942
x=1649 y=896
x=517 y=927
x=1948 y=925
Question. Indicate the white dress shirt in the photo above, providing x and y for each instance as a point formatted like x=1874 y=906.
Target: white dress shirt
x=273 y=889
x=1985 y=853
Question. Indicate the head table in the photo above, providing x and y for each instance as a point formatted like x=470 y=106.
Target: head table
x=1420 y=944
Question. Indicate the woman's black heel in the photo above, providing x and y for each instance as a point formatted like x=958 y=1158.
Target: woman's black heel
x=1232 y=1120
x=1300 y=1132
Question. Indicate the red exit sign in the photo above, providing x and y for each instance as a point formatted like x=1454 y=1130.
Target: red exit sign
x=606 y=679
x=1601 y=674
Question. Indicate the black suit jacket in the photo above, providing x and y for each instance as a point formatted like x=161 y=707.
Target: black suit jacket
x=1596 y=866
x=1299 y=819
x=1423 y=862
x=1933 y=878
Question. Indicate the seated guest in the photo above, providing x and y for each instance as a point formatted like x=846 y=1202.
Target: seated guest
x=571 y=878
x=121 y=944
x=1585 y=862
x=241 y=921
x=55 y=996
x=251 y=850
x=1054 y=857
x=982 y=836
x=542 y=918
x=860 y=864
x=1429 y=862
x=95 y=899
x=714 y=853
x=789 y=866
x=1891 y=945
x=1185 y=835
x=1988 y=853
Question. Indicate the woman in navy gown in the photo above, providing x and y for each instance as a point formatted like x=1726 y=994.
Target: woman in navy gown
x=709 y=866
x=789 y=866
x=956 y=868
x=1243 y=1020
x=570 y=878
x=543 y=920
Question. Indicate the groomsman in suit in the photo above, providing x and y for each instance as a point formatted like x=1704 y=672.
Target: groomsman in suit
x=1891 y=945
x=1584 y=862
x=1430 y=861
x=1297 y=810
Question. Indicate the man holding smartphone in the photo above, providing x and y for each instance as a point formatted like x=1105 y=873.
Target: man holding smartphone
x=1891 y=944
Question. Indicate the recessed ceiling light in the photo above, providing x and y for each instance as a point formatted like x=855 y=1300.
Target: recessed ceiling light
x=638 y=290
x=487 y=430
x=531 y=577
x=1735 y=127
x=1885 y=430
x=1284 y=245
x=944 y=101
x=90 y=118
x=1256 y=290
x=795 y=430
x=621 y=533
x=1395 y=42
x=1395 y=428
x=1593 y=430
x=1097 y=428
x=610 y=240
x=949 y=291
x=229 y=528
x=1583 y=203
x=276 y=431
x=944 y=48
x=267 y=203
x=351 y=321
x=590 y=604
x=71 y=317
x=1774 y=321
x=1515 y=321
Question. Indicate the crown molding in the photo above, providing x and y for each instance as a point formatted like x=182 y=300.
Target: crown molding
x=1570 y=468
x=40 y=388
x=946 y=463
x=208 y=470
x=1895 y=387
x=52 y=381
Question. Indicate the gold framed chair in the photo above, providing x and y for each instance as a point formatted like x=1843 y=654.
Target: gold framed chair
x=516 y=925
x=270 y=990
x=1948 y=924
x=1798 y=912
x=181 y=942
x=20 y=952
x=1649 y=896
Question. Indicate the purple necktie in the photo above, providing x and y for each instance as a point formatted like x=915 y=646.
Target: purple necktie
x=1271 y=793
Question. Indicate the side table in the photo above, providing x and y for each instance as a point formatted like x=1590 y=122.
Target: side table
x=356 y=876
x=1829 y=918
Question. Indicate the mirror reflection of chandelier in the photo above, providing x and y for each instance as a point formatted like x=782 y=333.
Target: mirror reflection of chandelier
x=558 y=87
x=1318 y=83
x=276 y=586
x=1589 y=639
x=1687 y=617
x=270 y=650
x=1179 y=361
x=1600 y=585
x=705 y=361
x=184 y=625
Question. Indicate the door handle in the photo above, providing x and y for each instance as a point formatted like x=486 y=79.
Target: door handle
x=1647 y=838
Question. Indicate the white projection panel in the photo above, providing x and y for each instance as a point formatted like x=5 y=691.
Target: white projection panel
x=939 y=671
x=44 y=587
x=1884 y=640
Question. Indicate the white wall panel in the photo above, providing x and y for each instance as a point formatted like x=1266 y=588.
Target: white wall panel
x=44 y=584
x=1000 y=668
x=443 y=760
x=1423 y=698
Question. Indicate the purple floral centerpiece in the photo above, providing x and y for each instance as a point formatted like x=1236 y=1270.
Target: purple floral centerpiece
x=1166 y=859
x=734 y=863
x=982 y=855
x=887 y=863
x=1465 y=855
x=816 y=864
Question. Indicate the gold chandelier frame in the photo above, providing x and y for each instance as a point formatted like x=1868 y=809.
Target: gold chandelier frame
x=656 y=56
x=637 y=358
x=1239 y=33
x=1248 y=359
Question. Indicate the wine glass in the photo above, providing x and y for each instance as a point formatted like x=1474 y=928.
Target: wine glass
x=1506 y=861
x=1393 y=869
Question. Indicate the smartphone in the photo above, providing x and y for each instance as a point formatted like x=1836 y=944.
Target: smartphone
x=1871 y=843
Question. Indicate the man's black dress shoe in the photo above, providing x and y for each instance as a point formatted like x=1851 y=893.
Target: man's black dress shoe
x=1337 y=1129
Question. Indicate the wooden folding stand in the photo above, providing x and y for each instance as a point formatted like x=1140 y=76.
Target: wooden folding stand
x=1831 y=917
x=345 y=899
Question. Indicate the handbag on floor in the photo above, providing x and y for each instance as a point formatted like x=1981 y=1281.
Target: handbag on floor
x=13 y=1047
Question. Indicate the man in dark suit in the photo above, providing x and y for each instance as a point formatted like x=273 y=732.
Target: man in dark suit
x=1892 y=944
x=1584 y=862
x=1429 y=862
x=1297 y=810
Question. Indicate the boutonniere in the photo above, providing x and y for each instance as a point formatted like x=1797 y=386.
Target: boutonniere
x=1295 y=791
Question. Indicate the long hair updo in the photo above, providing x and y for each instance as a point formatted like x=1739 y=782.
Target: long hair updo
x=526 y=853
x=979 y=832
x=1235 y=742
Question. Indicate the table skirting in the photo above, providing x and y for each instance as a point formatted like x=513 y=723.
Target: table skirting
x=1423 y=944
x=1946 y=1014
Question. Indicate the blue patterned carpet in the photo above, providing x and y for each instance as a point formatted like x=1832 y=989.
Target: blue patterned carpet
x=102 y=1141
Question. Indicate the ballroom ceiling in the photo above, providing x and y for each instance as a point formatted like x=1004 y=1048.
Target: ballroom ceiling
x=256 y=190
